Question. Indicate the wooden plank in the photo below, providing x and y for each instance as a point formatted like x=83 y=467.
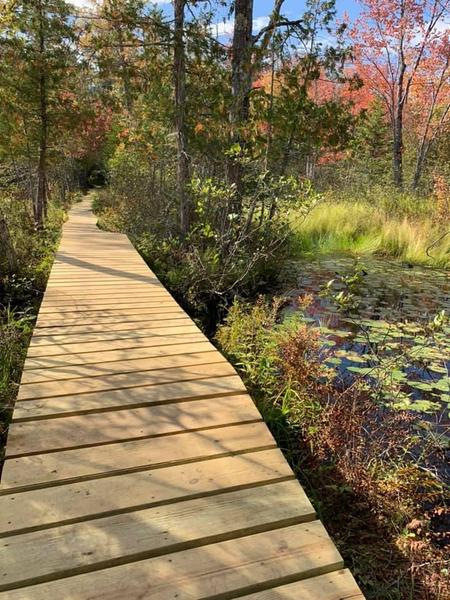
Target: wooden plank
x=107 y=316
x=105 y=306
x=122 y=258
x=107 y=284
x=104 y=265
x=119 y=274
x=113 y=310
x=207 y=387
x=70 y=465
x=87 y=319
x=99 y=273
x=247 y=563
x=117 y=381
x=100 y=286
x=132 y=365
x=39 y=509
x=121 y=425
x=89 y=358
x=93 y=265
x=338 y=585
x=51 y=347
x=59 y=296
x=135 y=324
x=126 y=280
x=55 y=296
x=104 y=274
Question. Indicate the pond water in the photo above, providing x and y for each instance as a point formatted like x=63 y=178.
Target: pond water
x=384 y=335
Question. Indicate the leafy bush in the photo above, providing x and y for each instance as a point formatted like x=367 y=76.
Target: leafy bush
x=226 y=253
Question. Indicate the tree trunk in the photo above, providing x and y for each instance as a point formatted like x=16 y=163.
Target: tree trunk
x=124 y=70
x=397 y=130
x=40 y=207
x=270 y=112
x=180 y=118
x=7 y=246
x=420 y=162
x=427 y=139
x=241 y=83
x=310 y=166
x=397 y=150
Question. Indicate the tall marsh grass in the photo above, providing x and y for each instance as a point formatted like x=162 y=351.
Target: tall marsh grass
x=362 y=228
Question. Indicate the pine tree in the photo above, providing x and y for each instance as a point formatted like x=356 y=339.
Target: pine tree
x=37 y=44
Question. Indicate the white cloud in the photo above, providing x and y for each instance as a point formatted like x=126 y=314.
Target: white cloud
x=225 y=28
x=81 y=3
x=442 y=27
x=259 y=23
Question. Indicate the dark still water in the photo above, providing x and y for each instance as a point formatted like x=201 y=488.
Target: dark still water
x=387 y=337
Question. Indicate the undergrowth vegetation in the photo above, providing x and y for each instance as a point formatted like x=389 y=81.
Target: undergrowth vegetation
x=224 y=254
x=26 y=256
x=355 y=455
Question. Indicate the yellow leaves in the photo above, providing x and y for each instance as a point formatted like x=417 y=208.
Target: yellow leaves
x=199 y=127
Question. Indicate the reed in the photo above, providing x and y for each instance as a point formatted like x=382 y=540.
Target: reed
x=361 y=228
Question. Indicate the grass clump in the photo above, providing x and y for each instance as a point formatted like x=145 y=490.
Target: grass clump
x=354 y=455
x=370 y=228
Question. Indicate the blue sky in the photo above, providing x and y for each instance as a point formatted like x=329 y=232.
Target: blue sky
x=291 y=8
x=262 y=8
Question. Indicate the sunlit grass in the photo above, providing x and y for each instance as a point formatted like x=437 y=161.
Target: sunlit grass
x=360 y=228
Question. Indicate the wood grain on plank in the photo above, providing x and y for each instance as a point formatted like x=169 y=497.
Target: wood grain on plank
x=68 y=465
x=64 y=301
x=113 y=315
x=108 y=355
x=206 y=387
x=246 y=563
x=129 y=365
x=57 y=345
x=113 y=332
x=80 y=501
x=102 y=305
x=214 y=365
x=337 y=585
x=99 y=428
x=134 y=322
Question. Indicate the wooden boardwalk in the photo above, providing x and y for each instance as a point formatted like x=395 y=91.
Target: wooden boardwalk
x=137 y=466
